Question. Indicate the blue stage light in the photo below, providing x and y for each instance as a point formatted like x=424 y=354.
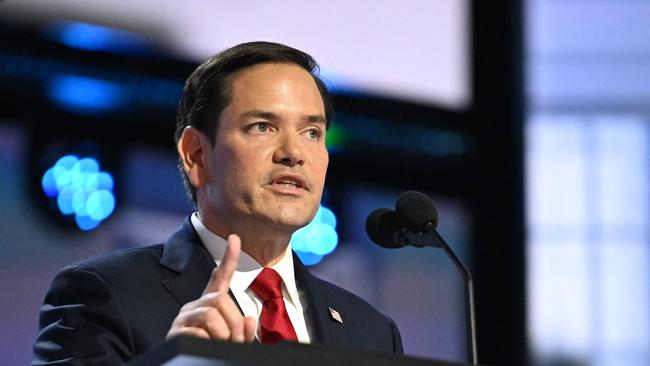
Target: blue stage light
x=79 y=201
x=49 y=183
x=324 y=239
x=86 y=223
x=61 y=176
x=86 y=94
x=82 y=170
x=92 y=37
x=299 y=241
x=86 y=36
x=61 y=171
x=100 y=204
x=316 y=240
x=105 y=181
x=309 y=259
x=64 y=201
x=327 y=217
x=82 y=189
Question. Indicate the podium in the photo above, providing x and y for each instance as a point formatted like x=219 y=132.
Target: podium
x=190 y=351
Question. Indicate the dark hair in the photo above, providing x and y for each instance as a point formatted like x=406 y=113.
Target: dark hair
x=207 y=91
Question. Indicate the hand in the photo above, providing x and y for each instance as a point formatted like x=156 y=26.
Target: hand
x=215 y=315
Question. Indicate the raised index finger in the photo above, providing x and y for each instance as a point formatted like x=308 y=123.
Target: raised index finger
x=221 y=276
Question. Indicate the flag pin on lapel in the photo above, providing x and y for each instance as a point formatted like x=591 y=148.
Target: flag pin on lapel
x=335 y=315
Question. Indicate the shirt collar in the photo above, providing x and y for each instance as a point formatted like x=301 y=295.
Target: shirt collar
x=247 y=268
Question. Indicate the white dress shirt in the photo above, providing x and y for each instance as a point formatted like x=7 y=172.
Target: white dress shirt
x=247 y=271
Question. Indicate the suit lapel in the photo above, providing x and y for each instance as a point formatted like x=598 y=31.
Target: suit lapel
x=184 y=253
x=325 y=328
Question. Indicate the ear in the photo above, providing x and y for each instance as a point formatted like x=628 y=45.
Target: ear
x=192 y=148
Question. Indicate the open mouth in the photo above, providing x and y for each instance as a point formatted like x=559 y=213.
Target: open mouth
x=288 y=184
x=289 y=181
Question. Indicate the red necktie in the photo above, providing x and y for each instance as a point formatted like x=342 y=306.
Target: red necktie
x=275 y=324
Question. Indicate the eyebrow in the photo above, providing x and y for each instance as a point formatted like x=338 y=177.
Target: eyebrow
x=318 y=118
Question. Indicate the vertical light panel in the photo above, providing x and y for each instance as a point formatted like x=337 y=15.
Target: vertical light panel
x=623 y=158
x=557 y=175
x=622 y=225
x=589 y=244
x=558 y=257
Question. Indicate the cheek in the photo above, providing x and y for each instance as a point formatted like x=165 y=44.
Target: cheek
x=224 y=169
x=319 y=173
x=242 y=175
x=321 y=166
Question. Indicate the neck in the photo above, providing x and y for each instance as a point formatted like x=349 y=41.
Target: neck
x=266 y=245
x=266 y=254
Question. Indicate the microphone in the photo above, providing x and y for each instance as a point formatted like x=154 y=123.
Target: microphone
x=414 y=222
x=416 y=212
x=383 y=229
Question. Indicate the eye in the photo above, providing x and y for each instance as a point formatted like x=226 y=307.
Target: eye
x=262 y=126
x=259 y=127
x=314 y=133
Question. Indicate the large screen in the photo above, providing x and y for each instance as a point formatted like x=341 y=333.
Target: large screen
x=413 y=50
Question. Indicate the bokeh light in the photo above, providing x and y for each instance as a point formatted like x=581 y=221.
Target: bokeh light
x=81 y=189
x=318 y=239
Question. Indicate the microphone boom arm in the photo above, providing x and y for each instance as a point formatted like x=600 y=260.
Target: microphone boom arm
x=469 y=290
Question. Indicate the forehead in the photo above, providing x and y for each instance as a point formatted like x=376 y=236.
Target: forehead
x=281 y=84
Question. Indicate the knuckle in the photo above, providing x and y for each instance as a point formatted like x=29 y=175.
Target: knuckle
x=219 y=299
x=209 y=297
x=215 y=273
x=188 y=306
x=192 y=318
x=217 y=328
x=220 y=332
x=209 y=312
x=176 y=322
x=238 y=322
x=180 y=319
x=202 y=314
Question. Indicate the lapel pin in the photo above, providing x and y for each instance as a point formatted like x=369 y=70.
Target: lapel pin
x=335 y=315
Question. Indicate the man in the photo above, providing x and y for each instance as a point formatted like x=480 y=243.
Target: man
x=251 y=141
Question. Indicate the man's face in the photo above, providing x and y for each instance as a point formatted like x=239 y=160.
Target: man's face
x=269 y=160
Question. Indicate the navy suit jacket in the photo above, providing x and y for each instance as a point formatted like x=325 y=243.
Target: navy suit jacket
x=110 y=308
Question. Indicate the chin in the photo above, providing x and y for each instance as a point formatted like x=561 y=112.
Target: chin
x=292 y=218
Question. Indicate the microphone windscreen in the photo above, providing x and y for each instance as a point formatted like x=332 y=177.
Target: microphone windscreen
x=381 y=226
x=414 y=210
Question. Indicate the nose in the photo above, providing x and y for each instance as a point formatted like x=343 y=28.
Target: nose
x=289 y=151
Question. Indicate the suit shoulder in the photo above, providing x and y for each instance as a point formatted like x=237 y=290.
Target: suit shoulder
x=116 y=262
x=123 y=275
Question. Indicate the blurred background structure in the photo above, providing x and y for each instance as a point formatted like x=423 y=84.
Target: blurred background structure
x=588 y=181
x=527 y=122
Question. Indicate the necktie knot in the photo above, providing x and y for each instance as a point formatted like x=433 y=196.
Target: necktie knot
x=267 y=285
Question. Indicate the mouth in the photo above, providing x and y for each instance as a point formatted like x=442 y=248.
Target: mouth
x=289 y=181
